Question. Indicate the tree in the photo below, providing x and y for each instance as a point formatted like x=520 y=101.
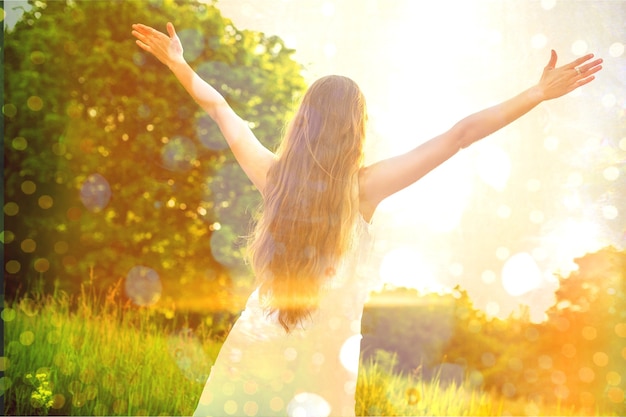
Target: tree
x=111 y=170
x=586 y=331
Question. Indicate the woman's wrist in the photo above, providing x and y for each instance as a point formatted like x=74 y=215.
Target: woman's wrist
x=537 y=94
x=175 y=64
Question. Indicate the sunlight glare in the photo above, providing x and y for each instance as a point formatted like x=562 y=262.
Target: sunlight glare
x=493 y=165
x=520 y=274
x=438 y=201
x=406 y=267
x=570 y=239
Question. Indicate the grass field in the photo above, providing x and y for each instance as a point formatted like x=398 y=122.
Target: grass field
x=93 y=356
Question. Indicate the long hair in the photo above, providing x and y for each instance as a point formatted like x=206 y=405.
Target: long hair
x=310 y=199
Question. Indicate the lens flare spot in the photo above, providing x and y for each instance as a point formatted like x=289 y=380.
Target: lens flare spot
x=143 y=286
x=224 y=247
x=601 y=359
x=120 y=406
x=230 y=407
x=28 y=187
x=58 y=401
x=53 y=337
x=27 y=338
x=533 y=185
x=545 y=362
x=250 y=387
x=456 y=269
x=41 y=265
x=193 y=41
x=250 y=408
x=291 y=354
x=208 y=135
x=609 y=100
x=616 y=49
x=492 y=308
x=613 y=378
x=520 y=274
x=8 y=315
x=179 y=154
x=308 y=404
x=349 y=353
x=488 y=276
x=536 y=216
x=488 y=359
x=37 y=57
x=611 y=173
x=579 y=47
x=561 y=392
x=35 y=103
x=330 y=50
x=318 y=359
x=609 y=212
x=502 y=253
x=95 y=193
x=11 y=209
x=504 y=211
x=328 y=8
x=28 y=245
x=551 y=143
x=276 y=404
x=45 y=202
x=586 y=374
x=538 y=41
x=589 y=333
x=9 y=110
x=616 y=395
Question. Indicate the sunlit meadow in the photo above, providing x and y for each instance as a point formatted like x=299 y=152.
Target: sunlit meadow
x=122 y=215
x=94 y=355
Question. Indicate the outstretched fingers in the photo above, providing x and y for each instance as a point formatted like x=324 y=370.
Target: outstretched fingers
x=141 y=32
x=585 y=72
x=591 y=67
x=579 y=61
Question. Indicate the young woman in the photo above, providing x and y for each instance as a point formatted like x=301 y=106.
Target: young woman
x=294 y=349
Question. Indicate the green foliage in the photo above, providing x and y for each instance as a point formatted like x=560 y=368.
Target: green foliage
x=109 y=164
x=573 y=361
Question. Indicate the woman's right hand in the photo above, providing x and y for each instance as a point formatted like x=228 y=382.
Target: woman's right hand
x=166 y=49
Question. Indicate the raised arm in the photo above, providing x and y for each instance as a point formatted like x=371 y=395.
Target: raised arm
x=254 y=158
x=386 y=177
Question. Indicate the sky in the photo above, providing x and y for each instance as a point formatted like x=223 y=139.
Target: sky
x=502 y=217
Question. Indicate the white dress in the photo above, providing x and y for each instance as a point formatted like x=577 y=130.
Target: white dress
x=312 y=371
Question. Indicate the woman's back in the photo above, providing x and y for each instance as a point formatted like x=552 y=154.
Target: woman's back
x=263 y=370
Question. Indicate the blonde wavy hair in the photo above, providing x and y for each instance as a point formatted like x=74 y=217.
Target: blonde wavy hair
x=310 y=200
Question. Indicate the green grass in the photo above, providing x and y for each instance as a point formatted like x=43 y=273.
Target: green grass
x=381 y=392
x=93 y=356
x=98 y=359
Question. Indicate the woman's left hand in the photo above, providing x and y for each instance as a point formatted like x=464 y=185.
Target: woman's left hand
x=166 y=49
x=556 y=82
